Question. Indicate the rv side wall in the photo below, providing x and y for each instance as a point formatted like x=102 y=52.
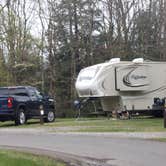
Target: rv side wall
x=153 y=84
x=110 y=104
x=106 y=81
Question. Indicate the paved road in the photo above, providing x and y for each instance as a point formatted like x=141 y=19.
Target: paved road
x=104 y=150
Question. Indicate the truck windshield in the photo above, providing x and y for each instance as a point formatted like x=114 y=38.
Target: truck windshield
x=39 y=95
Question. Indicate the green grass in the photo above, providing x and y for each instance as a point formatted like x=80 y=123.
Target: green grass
x=14 y=158
x=160 y=139
x=105 y=125
x=98 y=125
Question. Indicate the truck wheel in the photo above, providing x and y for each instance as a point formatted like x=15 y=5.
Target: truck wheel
x=50 y=116
x=20 y=117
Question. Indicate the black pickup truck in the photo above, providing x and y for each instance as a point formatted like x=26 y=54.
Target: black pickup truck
x=21 y=103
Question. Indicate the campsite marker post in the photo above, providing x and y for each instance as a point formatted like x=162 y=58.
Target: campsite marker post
x=165 y=115
x=165 y=118
x=41 y=114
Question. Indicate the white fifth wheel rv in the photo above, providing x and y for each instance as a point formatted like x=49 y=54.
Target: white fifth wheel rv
x=123 y=85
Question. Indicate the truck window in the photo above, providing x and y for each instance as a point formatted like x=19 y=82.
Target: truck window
x=18 y=91
x=34 y=93
x=4 y=91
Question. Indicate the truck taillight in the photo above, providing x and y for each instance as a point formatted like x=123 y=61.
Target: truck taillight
x=10 y=102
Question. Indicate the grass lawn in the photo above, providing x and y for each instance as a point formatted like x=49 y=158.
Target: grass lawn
x=160 y=139
x=105 y=125
x=14 y=158
x=97 y=125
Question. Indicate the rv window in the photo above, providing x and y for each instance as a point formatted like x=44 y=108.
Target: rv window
x=88 y=74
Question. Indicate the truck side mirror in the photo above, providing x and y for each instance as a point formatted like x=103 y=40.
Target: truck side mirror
x=46 y=97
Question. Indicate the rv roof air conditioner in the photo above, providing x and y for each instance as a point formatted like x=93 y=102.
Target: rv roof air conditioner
x=114 y=60
x=138 y=60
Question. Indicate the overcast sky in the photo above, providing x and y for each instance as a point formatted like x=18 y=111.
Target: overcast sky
x=32 y=13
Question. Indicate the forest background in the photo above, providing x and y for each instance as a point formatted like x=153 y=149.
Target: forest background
x=45 y=43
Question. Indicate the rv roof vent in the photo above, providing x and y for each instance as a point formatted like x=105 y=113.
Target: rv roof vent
x=114 y=60
x=138 y=60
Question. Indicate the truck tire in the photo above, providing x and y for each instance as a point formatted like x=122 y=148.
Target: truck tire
x=50 y=116
x=20 y=117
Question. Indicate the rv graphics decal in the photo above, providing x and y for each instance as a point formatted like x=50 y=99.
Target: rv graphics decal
x=131 y=79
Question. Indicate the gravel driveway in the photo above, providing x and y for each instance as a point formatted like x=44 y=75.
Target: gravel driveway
x=89 y=149
x=66 y=131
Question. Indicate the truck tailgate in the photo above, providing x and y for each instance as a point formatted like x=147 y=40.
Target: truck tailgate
x=3 y=103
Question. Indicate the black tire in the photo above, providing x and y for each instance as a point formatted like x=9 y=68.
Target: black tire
x=50 y=116
x=20 y=117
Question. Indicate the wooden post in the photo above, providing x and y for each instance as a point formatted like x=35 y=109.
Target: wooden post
x=164 y=117
x=41 y=119
x=41 y=115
